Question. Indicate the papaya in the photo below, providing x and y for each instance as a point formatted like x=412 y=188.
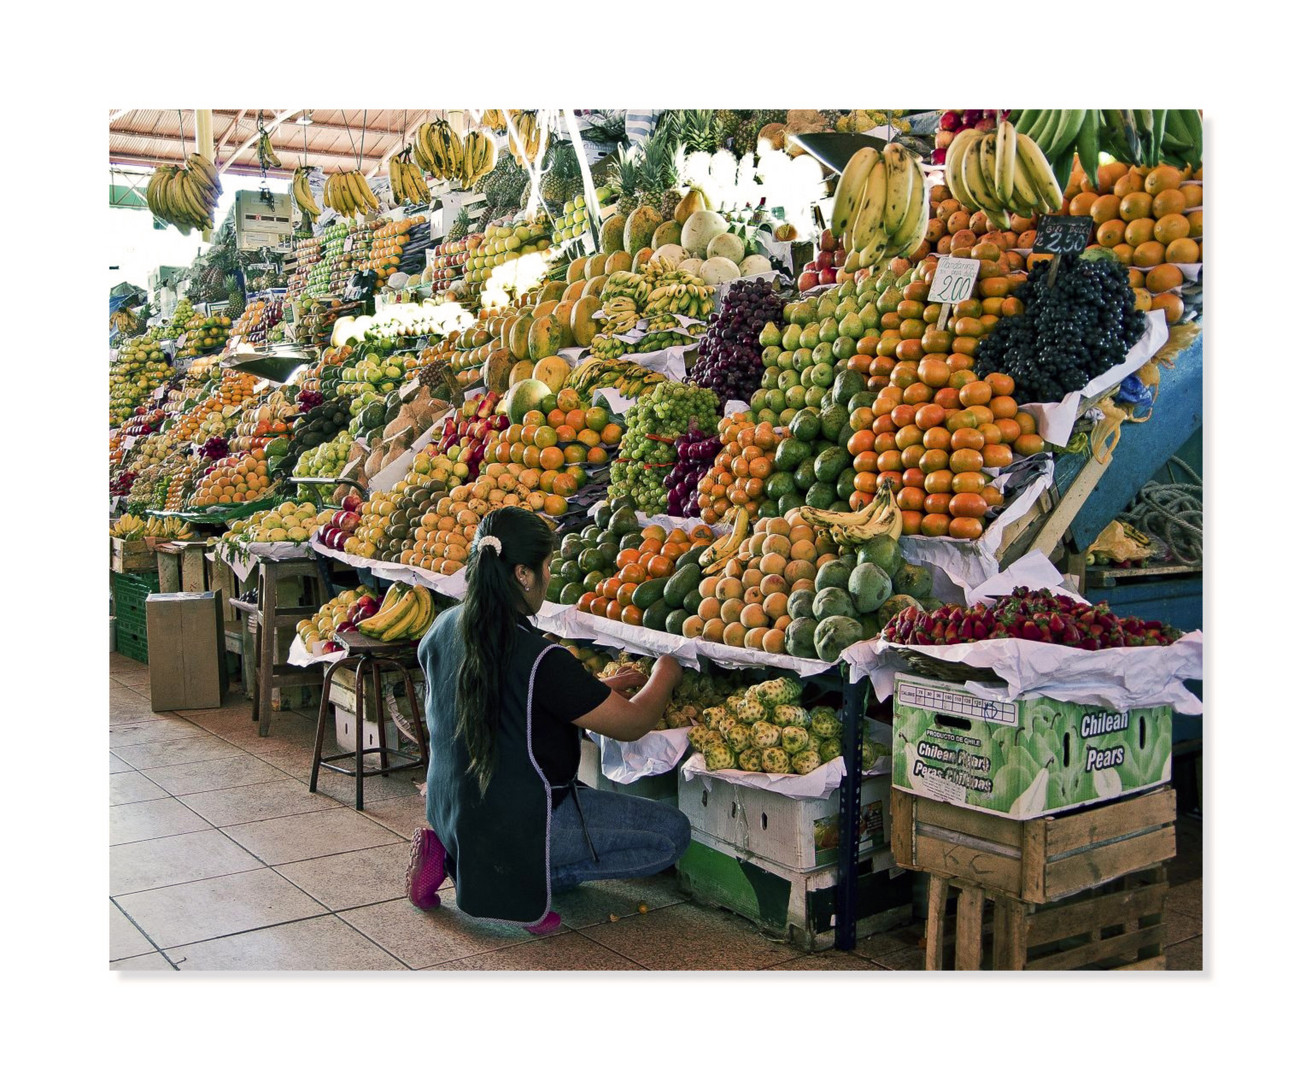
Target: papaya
x=619 y=260
x=576 y=270
x=496 y=371
x=612 y=234
x=545 y=337
x=594 y=285
x=553 y=290
x=596 y=266
x=639 y=228
x=543 y=307
x=519 y=332
x=582 y=321
x=574 y=291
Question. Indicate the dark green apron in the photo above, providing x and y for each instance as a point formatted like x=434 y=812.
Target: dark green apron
x=497 y=845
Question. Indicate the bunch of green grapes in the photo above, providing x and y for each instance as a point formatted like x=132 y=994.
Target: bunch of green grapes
x=647 y=451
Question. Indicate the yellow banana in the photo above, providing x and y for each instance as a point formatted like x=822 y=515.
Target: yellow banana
x=898 y=199
x=870 y=214
x=851 y=186
x=954 y=167
x=1005 y=166
x=403 y=613
x=1039 y=172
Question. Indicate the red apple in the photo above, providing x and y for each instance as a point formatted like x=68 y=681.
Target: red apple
x=825 y=259
x=808 y=279
x=829 y=276
x=827 y=241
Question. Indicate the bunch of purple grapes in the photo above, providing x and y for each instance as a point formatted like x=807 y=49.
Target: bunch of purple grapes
x=729 y=360
x=694 y=453
x=214 y=448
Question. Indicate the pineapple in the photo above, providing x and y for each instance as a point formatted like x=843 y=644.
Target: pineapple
x=624 y=176
x=460 y=227
x=701 y=130
x=236 y=304
x=741 y=131
x=653 y=174
x=553 y=179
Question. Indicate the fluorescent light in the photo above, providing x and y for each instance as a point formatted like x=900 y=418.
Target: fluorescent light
x=305 y=120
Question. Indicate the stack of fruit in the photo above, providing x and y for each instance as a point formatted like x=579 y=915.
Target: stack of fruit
x=695 y=453
x=343 y=612
x=1069 y=332
x=729 y=357
x=133 y=375
x=450 y=258
x=265 y=418
x=572 y=222
x=826 y=266
x=629 y=377
x=558 y=443
x=1007 y=172
x=1150 y=220
x=388 y=243
x=955 y=230
x=405 y=614
x=203 y=334
x=182 y=314
x=694 y=693
x=307 y=254
x=464 y=438
x=327 y=459
x=739 y=472
x=881 y=206
x=439 y=539
x=504 y=243
x=260 y=316
x=952 y=122
x=765 y=729
x=287 y=522
x=647 y=450
x=1032 y=615
x=588 y=557
x=635 y=594
x=238 y=478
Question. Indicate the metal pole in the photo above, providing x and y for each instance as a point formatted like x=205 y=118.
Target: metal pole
x=205 y=146
x=849 y=808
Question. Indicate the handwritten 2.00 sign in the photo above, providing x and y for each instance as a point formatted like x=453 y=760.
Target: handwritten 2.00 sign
x=954 y=278
x=1063 y=235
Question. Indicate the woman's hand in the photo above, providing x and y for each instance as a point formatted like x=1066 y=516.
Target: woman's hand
x=626 y=681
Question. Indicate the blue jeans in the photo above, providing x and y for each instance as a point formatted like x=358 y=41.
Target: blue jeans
x=633 y=837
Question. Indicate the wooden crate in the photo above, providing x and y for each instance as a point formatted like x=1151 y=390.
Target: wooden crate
x=182 y=568
x=130 y=556
x=1119 y=926
x=1040 y=860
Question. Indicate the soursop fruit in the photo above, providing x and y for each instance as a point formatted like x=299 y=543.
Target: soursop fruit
x=794 y=740
x=752 y=711
x=868 y=754
x=792 y=690
x=765 y=734
x=750 y=760
x=719 y=757
x=825 y=723
x=739 y=737
x=830 y=749
x=725 y=722
x=791 y=716
x=701 y=738
x=805 y=762
x=774 y=760
x=711 y=717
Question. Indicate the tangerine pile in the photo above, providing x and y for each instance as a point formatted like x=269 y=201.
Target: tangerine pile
x=556 y=446
x=931 y=433
x=738 y=474
x=1149 y=219
x=238 y=478
x=621 y=596
x=441 y=540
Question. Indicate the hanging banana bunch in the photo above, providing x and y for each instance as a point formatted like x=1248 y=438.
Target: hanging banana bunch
x=494 y=119
x=348 y=193
x=526 y=127
x=268 y=159
x=439 y=150
x=185 y=197
x=479 y=158
x=408 y=184
x=303 y=195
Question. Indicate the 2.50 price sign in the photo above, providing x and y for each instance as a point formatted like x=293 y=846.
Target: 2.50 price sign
x=954 y=278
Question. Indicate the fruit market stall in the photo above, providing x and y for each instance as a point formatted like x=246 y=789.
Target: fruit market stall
x=811 y=426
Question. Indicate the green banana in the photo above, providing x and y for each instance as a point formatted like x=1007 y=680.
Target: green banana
x=1159 y=132
x=1025 y=121
x=1071 y=119
x=1088 y=147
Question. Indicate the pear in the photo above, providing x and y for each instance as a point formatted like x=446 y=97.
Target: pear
x=810 y=336
x=827 y=306
x=848 y=288
x=792 y=337
x=869 y=316
x=888 y=300
x=829 y=329
x=770 y=334
x=852 y=325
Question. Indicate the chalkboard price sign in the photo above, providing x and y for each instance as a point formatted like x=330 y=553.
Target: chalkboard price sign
x=1063 y=235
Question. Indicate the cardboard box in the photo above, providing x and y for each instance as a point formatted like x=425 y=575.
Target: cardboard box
x=1021 y=759
x=798 y=834
x=187 y=664
x=346 y=727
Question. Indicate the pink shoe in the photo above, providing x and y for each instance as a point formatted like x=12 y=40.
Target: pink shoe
x=426 y=871
x=549 y=923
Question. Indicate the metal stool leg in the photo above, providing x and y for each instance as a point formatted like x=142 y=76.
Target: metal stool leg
x=268 y=599
x=323 y=721
x=378 y=715
x=366 y=666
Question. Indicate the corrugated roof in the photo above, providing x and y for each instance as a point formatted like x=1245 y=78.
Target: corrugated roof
x=150 y=137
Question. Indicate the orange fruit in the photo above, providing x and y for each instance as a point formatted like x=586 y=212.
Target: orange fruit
x=1162 y=178
x=1171 y=227
x=1193 y=195
x=1139 y=231
x=1135 y=204
x=1183 y=251
x=1163 y=278
x=1195 y=219
x=1082 y=203
x=1108 y=175
x=713 y=629
x=1149 y=254
x=1171 y=201
x=1171 y=304
x=735 y=634
x=1130 y=183
x=1111 y=232
x=1124 y=253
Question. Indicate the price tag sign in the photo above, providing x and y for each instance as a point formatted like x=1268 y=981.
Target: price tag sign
x=953 y=280
x=1063 y=235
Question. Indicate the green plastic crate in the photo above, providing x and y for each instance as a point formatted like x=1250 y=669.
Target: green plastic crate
x=130 y=592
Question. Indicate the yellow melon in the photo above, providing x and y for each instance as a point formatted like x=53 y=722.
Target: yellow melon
x=521 y=371
x=575 y=290
x=543 y=307
x=595 y=285
x=553 y=290
x=618 y=261
x=519 y=332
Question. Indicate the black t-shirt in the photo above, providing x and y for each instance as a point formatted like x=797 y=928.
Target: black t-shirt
x=563 y=690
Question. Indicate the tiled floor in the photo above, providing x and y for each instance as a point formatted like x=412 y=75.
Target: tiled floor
x=221 y=859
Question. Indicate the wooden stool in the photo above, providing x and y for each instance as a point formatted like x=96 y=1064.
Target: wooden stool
x=1115 y=927
x=370 y=659
x=270 y=617
x=181 y=565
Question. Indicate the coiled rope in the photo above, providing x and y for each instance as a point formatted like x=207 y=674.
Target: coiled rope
x=1174 y=512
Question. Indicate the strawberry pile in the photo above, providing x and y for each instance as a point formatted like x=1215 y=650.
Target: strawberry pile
x=1032 y=615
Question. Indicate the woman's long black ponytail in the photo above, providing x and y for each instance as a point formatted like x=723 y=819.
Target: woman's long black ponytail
x=493 y=601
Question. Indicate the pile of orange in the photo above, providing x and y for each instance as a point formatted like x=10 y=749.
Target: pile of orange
x=737 y=476
x=1149 y=219
x=908 y=328
x=440 y=542
x=931 y=433
x=950 y=222
x=235 y=479
x=557 y=446
x=746 y=604
x=651 y=561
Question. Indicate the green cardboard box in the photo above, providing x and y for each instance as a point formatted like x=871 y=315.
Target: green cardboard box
x=1022 y=759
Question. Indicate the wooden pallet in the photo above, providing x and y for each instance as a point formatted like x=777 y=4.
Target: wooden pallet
x=1118 y=926
x=1040 y=860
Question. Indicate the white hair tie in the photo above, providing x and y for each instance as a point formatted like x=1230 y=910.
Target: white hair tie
x=490 y=541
